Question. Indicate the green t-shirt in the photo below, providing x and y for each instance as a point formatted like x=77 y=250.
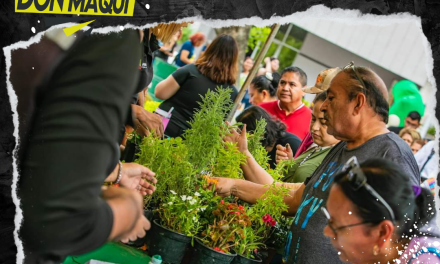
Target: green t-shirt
x=298 y=173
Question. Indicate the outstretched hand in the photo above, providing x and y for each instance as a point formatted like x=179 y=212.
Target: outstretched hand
x=236 y=137
x=138 y=177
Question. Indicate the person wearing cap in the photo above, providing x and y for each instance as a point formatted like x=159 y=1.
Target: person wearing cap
x=289 y=107
x=355 y=112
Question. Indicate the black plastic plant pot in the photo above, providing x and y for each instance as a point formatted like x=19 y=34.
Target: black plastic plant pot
x=143 y=240
x=203 y=255
x=130 y=152
x=170 y=245
x=239 y=259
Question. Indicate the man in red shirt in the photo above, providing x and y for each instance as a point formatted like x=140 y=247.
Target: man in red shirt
x=289 y=107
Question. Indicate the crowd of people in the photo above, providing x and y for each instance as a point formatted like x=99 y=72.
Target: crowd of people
x=357 y=190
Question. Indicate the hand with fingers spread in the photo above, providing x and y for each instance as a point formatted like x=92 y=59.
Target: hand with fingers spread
x=284 y=153
x=138 y=177
x=138 y=231
x=239 y=138
x=144 y=121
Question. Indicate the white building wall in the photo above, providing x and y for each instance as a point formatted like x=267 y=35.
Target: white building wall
x=396 y=47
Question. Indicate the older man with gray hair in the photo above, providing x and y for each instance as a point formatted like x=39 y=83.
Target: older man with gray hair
x=356 y=112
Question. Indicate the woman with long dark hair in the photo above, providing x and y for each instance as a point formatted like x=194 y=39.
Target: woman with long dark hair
x=182 y=90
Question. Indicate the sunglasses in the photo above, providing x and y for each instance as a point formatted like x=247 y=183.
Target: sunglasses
x=351 y=65
x=357 y=179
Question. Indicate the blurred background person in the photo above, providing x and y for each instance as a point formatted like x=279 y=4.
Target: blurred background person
x=409 y=135
x=417 y=145
x=271 y=64
x=248 y=63
x=167 y=49
x=181 y=91
x=411 y=121
x=186 y=53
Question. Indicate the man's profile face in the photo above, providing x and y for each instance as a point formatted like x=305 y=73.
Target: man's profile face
x=290 y=88
x=337 y=106
x=411 y=123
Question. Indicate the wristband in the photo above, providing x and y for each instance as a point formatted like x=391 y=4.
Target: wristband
x=119 y=174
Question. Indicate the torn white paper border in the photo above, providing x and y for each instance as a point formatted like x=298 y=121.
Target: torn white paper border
x=351 y=17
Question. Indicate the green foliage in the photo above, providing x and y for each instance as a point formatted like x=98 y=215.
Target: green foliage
x=248 y=245
x=431 y=131
x=181 y=213
x=268 y=209
x=228 y=162
x=186 y=33
x=254 y=144
x=284 y=167
x=205 y=138
x=168 y=159
x=256 y=35
x=227 y=228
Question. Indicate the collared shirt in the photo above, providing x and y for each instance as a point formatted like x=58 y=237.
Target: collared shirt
x=297 y=122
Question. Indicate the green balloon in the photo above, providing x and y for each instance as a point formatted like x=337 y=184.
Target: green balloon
x=407 y=98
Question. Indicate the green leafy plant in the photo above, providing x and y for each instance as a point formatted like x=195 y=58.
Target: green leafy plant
x=431 y=131
x=255 y=147
x=268 y=210
x=257 y=35
x=168 y=159
x=228 y=161
x=227 y=228
x=181 y=213
x=205 y=138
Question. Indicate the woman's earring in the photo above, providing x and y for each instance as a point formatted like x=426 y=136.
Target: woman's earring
x=376 y=250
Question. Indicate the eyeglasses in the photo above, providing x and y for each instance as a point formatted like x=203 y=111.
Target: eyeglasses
x=351 y=65
x=334 y=229
x=357 y=179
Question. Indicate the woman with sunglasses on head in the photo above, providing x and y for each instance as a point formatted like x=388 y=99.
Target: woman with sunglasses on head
x=375 y=215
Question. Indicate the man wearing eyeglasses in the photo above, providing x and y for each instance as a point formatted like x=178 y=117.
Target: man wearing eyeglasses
x=356 y=112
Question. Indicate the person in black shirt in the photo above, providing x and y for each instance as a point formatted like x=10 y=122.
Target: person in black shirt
x=72 y=147
x=183 y=89
x=275 y=134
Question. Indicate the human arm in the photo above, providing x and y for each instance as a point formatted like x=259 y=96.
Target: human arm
x=252 y=171
x=250 y=192
x=166 y=88
x=134 y=176
x=75 y=146
x=184 y=57
x=144 y=121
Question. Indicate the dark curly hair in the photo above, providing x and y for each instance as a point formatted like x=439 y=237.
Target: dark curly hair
x=274 y=128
